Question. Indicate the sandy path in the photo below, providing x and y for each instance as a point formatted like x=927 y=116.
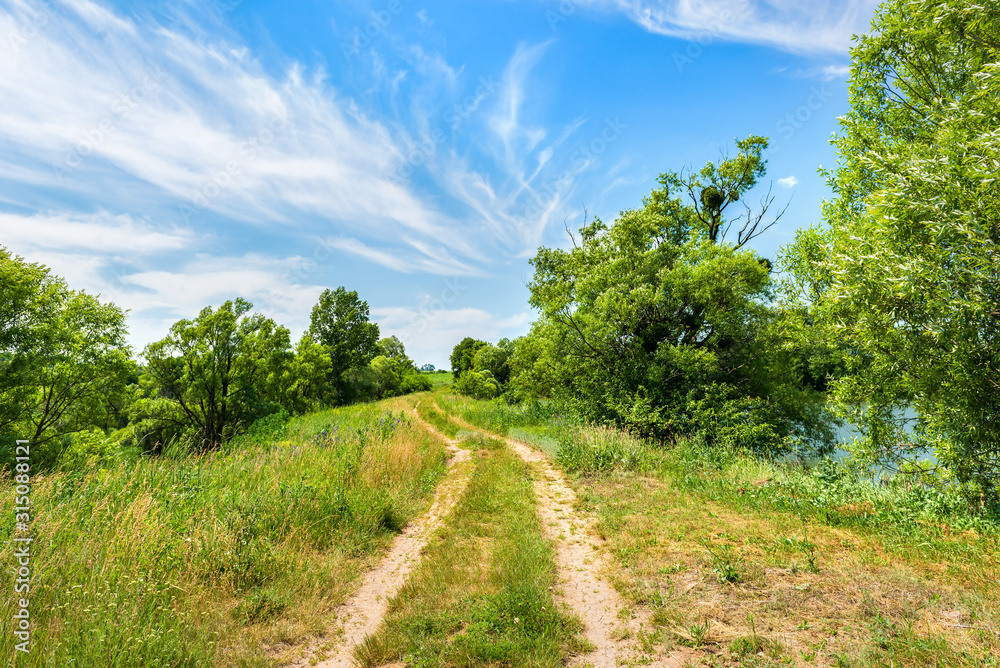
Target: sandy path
x=579 y=562
x=361 y=615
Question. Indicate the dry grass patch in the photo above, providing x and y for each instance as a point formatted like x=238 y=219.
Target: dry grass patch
x=723 y=583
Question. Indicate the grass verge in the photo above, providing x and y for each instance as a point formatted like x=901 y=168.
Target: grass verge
x=439 y=379
x=206 y=560
x=438 y=419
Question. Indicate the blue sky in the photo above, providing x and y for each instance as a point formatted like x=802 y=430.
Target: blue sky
x=173 y=155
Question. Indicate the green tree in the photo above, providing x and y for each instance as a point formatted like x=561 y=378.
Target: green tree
x=478 y=384
x=805 y=279
x=662 y=320
x=209 y=377
x=340 y=322
x=305 y=383
x=395 y=372
x=28 y=299
x=387 y=376
x=79 y=369
x=495 y=359
x=464 y=354
x=392 y=348
x=914 y=249
x=64 y=361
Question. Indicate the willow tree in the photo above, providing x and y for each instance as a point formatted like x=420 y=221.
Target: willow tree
x=915 y=249
x=209 y=378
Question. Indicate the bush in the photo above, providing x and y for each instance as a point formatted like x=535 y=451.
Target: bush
x=269 y=428
x=93 y=446
x=415 y=382
x=478 y=385
x=726 y=418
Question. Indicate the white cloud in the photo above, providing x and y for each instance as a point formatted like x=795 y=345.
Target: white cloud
x=100 y=233
x=431 y=331
x=507 y=122
x=157 y=298
x=189 y=128
x=820 y=26
x=788 y=182
x=431 y=260
x=829 y=72
x=203 y=125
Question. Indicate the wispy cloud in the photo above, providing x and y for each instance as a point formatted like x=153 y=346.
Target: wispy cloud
x=788 y=182
x=822 y=26
x=99 y=233
x=201 y=126
x=830 y=72
x=431 y=261
x=507 y=122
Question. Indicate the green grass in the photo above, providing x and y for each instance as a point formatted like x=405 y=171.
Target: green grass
x=205 y=560
x=439 y=380
x=438 y=419
x=541 y=437
x=496 y=416
x=835 y=570
x=482 y=596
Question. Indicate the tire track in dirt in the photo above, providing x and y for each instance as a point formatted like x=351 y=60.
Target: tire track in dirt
x=579 y=562
x=362 y=613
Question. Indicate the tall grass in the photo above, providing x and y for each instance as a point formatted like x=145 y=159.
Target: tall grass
x=596 y=449
x=198 y=560
x=837 y=567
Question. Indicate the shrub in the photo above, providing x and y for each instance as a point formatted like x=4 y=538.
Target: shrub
x=415 y=382
x=93 y=446
x=478 y=384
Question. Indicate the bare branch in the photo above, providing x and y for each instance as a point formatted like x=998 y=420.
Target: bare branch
x=570 y=233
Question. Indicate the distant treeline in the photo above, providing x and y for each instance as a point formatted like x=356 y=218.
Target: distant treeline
x=70 y=385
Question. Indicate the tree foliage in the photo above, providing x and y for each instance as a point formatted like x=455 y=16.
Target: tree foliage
x=660 y=322
x=914 y=266
x=495 y=359
x=210 y=376
x=64 y=360
x=393 y=348
x=464 y=354
x=394 y=372
x=340 y=321
x=478 y=384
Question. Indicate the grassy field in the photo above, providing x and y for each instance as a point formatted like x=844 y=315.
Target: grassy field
x=439 y=380
x=741 y=562
x=483 y=594
x=222 y=559
x=237 y=558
